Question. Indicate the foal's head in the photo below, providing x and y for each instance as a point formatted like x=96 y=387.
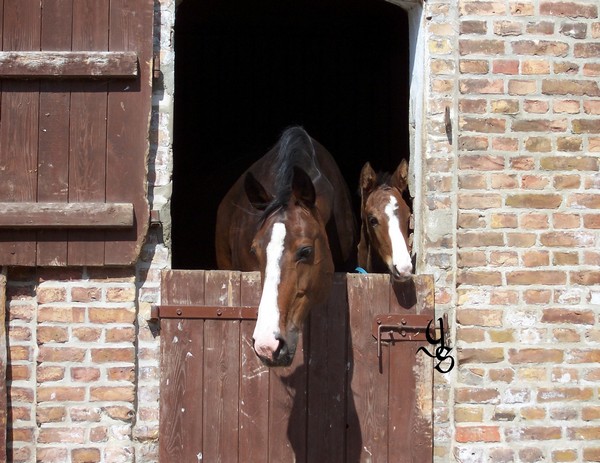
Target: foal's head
x=295 y=262
x=385 y=217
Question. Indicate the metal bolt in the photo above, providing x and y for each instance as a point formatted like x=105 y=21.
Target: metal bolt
x=403 y=321
x=219 y=312
x=179 y=312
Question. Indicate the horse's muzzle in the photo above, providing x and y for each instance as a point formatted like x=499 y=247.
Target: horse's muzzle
x=281 y=357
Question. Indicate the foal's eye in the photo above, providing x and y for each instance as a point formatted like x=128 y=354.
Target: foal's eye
x=304 y=253
x=373 y=221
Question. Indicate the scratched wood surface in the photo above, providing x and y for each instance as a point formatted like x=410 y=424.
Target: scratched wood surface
x=3 y=369
x=337 y=402
x=82 y=140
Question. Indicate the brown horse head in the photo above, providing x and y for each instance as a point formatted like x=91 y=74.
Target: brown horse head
x=292 y=252
x=385 y=219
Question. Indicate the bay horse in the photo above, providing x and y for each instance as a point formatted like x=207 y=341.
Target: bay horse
x=290 y=217
x=385 y=221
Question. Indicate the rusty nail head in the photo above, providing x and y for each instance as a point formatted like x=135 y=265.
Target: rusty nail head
x=179 y=312
x=403 y=333
x=219 y=312
x=403 y=321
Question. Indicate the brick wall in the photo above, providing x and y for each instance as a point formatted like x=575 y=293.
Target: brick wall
x=517 y=185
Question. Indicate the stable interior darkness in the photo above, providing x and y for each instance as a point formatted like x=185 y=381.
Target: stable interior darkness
x=247 y=70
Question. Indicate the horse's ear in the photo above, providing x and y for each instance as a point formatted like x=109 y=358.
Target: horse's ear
x=368 y=180
x=257 y=195
x=303 y=188
x=400 y=178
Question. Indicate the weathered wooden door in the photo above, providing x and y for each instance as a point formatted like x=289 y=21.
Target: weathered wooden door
x=75 y=103
x=338 y=402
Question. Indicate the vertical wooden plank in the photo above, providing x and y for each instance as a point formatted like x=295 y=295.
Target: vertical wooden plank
x=53 y=153
x=129 y=105
x=181 y=383
x=367 y=296
x=3 y=369
x=327 y=387
x=87 y=159
x=254 y=383
x=221 y=370
x=411 y=381
x=287 y=408
x=19 y=128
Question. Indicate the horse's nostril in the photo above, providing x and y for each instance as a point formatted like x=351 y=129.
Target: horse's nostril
x=282 y=349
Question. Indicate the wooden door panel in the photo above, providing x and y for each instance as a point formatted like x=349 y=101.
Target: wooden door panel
x=337 y=402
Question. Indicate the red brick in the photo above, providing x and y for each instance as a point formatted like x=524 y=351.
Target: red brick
x=474 y=395
x=505 y=106
x=484 y=125
x=505 y=66
x=567 y=239
x=535 y=67
x=536 y=277
x=522 y=163
x=477 y=434
x=50 y=414
x=473 y=27
x=540 y=47
x=479 y=200
x=489 y=355
x=587 y=50
x=507 y=28
x=502 y=181
x=587 y=433
x=112 y=315
x=473 y=106
x=481 y=47
x=481 y=86
x=85 y=374
x=481 y=162
x=86 y=334
x=584 y=356
x=538 y=145
x=533 y=221
x=71 y=435
x=123 y=354
x=50 y=373
x=563 y=182
x=540 y=28
x=88 y=455
x=533 y=355
x=534 y=182
x=536 y=106
x=482 y=8
x=47 y=295
x=586 y=277
x=534 y=201
x=521 y=240
x=61 y=354
x=570 y=87
x=60 y=394
x=114 y=393
x=479 y=317
x=81 y=294
x=52 y=334
x=570 y=316
x=504 y=221
x=569 y=144
x=61 y=314
x=534 y=433
x=586 y=126
x=565 y=258
x=473 y=66
x=568 y=9
x=536 y=258
x=540 y=125
x=479 y=239
x=564 y=221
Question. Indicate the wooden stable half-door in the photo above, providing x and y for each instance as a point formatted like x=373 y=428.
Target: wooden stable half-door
x=348 y=397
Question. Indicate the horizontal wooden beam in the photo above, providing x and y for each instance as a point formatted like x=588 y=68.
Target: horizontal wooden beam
x=68 y=64
x=206 y=312
x=66 y=215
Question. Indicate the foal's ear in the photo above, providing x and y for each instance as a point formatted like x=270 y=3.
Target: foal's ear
x=368 y=180
x=303 y=188
x=257 y=195
x=400 y=178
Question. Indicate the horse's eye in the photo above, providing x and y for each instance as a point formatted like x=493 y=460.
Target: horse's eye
x=304 y=253
x=373 y=221
x=253 y=250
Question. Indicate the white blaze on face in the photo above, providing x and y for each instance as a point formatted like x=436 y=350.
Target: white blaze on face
x=267 y=324
x=401 y=260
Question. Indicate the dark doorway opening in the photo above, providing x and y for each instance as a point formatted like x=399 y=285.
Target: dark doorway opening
x=245 y=71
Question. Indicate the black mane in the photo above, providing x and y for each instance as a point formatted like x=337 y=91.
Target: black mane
x=294 y=148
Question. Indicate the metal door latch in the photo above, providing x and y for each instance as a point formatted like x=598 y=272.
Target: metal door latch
x=399 y=327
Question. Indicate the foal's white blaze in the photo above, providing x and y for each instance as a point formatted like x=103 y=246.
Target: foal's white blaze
x=267 y=324
x=401 y=260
